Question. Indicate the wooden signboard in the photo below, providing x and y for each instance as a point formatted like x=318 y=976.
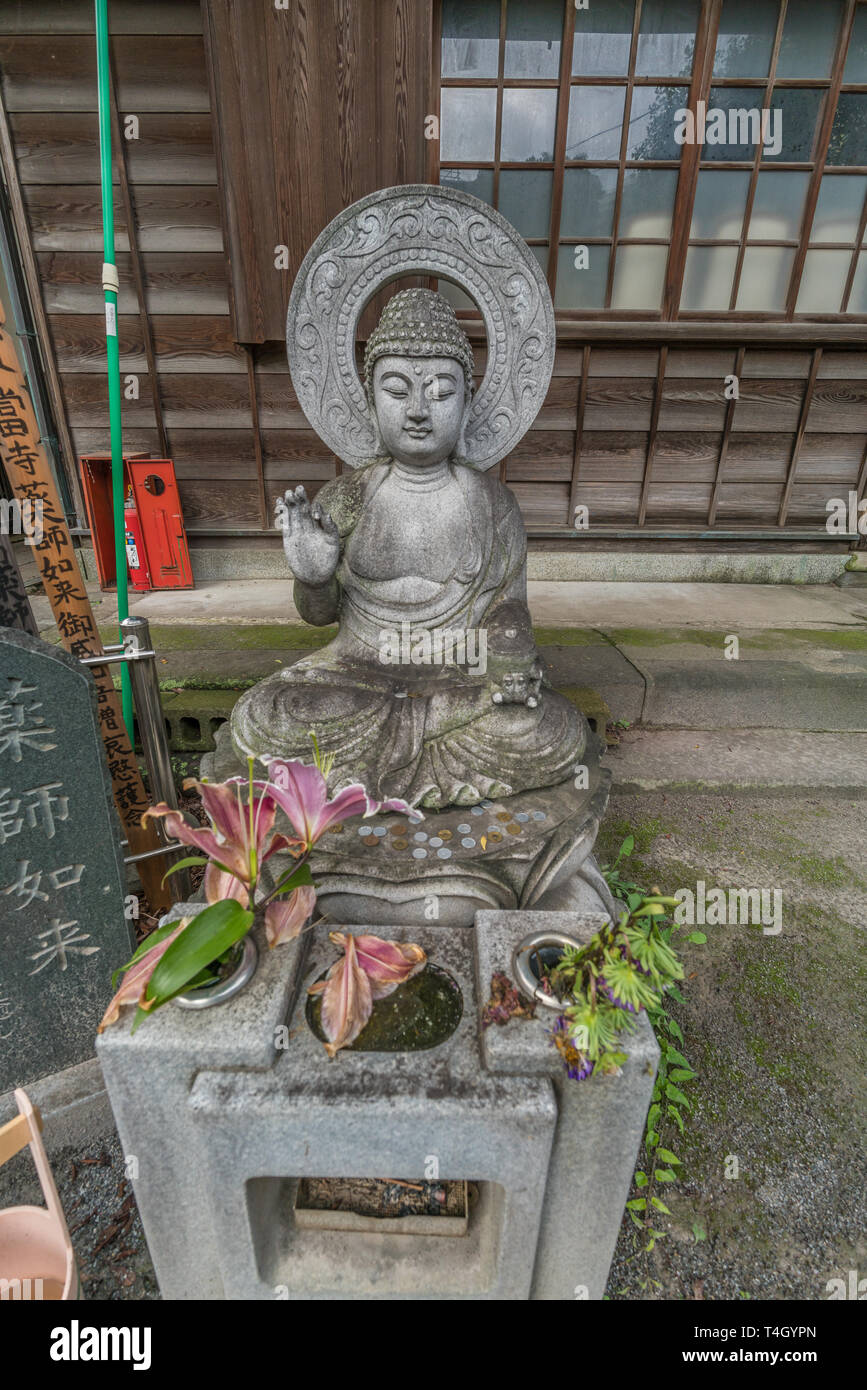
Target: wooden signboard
x=29 y=473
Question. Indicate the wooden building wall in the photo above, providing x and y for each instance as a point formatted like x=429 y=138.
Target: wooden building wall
x=635 y=425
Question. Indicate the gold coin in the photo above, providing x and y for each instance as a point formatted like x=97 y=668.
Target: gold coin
x=336 y=829
x=495 y=837
x=504 y=815
x=370 y=840
x=445 y=834
x=514 y=829
x=399 y=844
x=398 y=829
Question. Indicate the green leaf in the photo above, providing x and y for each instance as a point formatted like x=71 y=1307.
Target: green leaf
x=660 y=1206
x=676 y=1113
x=676 y=994
x=683 y=1074
x=297 y=878
x=674 y=1030
x=637 y=1204
x=667 y=1156
x=153 y=939
x=697 y=936
x=641 y=1179
x=671 y=1091
x=699 y=1232
x=186 y=863
x=664 y=1175
x=208 y=935
x=653 y=1115
x=652 y=1139
x=627 y=847
x=673 y=1055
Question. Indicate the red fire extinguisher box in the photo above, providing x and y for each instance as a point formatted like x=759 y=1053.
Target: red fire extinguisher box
x=156 y=543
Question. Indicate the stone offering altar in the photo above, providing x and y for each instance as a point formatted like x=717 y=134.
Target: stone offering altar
x=432 y=690
x=225 y=1113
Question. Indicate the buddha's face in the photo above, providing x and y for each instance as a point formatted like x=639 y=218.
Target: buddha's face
x=419 y=404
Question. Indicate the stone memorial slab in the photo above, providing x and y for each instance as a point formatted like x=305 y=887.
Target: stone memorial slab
x=62 y=925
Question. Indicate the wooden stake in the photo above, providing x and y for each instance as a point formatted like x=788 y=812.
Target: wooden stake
x=29 y=474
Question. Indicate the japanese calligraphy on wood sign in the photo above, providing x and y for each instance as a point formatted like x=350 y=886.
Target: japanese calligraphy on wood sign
x=62 y=924
x=29 y=474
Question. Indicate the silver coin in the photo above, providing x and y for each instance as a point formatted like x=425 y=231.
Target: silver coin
x=420 y=836
x=444 y=854
x=419 y=854
x=468 y=843
x=464 y=829
x=435 y=842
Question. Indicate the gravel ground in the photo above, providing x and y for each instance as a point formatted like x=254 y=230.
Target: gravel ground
x=774 y=1027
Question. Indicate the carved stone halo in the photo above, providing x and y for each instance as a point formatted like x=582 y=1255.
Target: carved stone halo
x=410 y=230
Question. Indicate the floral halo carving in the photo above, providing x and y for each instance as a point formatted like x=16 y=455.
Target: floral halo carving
x=420 y=229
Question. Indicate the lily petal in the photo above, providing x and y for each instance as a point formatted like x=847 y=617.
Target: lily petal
x=134 y=983
x=346 y=997
x=285 y=917
x=233 y=856
x=301 y=790
x=219 y=885
x=388 y=963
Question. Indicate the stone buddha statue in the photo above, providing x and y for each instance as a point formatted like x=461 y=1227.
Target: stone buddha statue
x=431 y=690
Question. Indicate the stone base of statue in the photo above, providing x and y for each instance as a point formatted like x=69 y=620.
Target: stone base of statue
x=533 y=850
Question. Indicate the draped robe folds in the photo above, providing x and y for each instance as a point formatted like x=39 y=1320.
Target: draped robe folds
x=426 y=732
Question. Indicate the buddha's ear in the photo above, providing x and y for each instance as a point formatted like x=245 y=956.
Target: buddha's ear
x=378 y=446
x=469 y=392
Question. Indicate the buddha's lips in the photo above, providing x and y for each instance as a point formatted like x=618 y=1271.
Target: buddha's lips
x=417 y=432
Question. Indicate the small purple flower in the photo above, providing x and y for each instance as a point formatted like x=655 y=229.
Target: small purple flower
x=602 y=984
x=578 y=1066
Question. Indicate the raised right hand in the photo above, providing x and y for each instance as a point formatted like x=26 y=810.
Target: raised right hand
x=310 y=538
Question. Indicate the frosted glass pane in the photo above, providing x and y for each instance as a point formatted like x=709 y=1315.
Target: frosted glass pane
x=734 y=134
x=468 y=123
x=849 y=134
x=707 y=280
x=588 y=202
x=666 y=40
x=799 y=109
x=838 y=211
x=603 y=34
x=541 y=254
x=765 y=277
x=595 y=122
x=638 y=275
x=479 y=182
x=529 y=115
x=858 y=297
x=525 y=199
x=823 y=281
x=652 y=123
x=746 y=38
x=470 y=38
x=856 y=60
x=778 y=206
x=581 y=289
x=533 y=34
x=720 y=202
x=809 y=38
x=647 y=203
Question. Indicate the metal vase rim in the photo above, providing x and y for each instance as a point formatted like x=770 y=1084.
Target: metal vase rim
x=226 y=989
x=524 y=977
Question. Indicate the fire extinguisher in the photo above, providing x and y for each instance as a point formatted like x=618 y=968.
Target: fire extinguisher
x=136 y=555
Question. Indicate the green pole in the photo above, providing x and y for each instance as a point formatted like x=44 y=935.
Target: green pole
x=110 y=287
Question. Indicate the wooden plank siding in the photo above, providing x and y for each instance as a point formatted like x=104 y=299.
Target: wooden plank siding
x=316 y=106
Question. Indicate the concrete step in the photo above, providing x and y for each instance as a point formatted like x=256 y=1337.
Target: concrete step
x=739 y=760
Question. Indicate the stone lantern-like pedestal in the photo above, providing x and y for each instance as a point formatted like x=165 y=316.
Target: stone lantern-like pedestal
x=223 y=1112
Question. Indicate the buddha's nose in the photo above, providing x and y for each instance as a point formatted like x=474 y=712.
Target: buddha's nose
x=418 y=409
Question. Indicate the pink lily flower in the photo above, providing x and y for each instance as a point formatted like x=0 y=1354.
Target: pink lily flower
x=369 y=969
x=227 y=841
x=301 y=791
x=346 y=997
x=136 y=980
x=284 y=917
x=388 y=963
